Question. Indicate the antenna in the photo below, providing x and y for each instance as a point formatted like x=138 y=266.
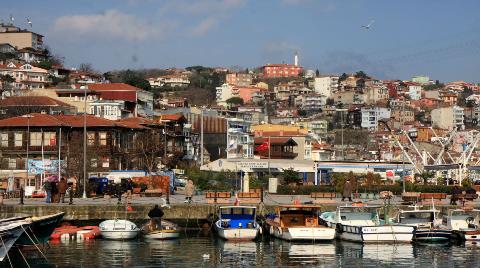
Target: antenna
x=29 y=22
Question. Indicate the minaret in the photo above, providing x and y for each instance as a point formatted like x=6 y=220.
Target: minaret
x=296 y=58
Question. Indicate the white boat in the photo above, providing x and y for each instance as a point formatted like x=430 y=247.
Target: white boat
x=10 y=231
x=118 y=229
x=299 y=222
x=464 y=224
x=168 y=230
x=237 y=223
x=361 y=223
x=426 y=223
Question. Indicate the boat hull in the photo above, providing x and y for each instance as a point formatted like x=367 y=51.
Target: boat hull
x=119 y=235
x=467 y=235
x=40 y=229
x=9 y=236
x=376 y=234
x=118 y=230
x=432 y=235
x=163 y=235
x=303 y=233
x=237 y=234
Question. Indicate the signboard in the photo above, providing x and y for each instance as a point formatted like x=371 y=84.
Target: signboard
x=251 y=165
x=46 y=166
x=389 y=174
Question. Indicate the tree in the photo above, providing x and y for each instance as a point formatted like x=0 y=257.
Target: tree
x=342 y=77
x=86 y=67
x=151 y=148
x=317 y=73
x=135 y=79
x=425 y=175
x=235 y=101
x=462 y=97
x=291 y=176
x=361 y=74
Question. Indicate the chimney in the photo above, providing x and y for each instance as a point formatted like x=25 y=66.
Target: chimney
x=296 y=58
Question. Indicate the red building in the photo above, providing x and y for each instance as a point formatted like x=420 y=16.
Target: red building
x=281 y=70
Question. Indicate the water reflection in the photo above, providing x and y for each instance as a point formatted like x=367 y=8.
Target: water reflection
x=378 y=253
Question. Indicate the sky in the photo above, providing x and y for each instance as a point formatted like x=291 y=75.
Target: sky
x=437 y=38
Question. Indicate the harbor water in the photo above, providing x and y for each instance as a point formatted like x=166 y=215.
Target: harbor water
x=198 y=249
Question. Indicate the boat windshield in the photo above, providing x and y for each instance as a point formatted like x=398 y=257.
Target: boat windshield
x=416 y=217
x=458 y=213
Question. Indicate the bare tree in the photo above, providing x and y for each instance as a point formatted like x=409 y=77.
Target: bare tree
x=86 y=67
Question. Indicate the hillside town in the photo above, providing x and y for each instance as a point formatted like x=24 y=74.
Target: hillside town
x=254 y=122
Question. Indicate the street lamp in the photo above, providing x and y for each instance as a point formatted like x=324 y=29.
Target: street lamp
x=22 y=189
x=85 y=143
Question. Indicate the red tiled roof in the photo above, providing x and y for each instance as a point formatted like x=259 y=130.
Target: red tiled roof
x=113 y=87
x=130 y=96
x=32 y=101
x=171 y=117
x=46 y=120
x=137 y=122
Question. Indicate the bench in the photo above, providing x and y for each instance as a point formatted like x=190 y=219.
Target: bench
x=249 y=198
x=465 y=197
x=218 y=197
x=435 y=196
x=410 y=197
x=316 y=195
x=153 y=193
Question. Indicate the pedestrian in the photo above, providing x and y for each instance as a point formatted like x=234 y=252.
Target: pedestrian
x=156 y=214
x=54 y=198
x=72 y=182
x=62 y=189
x=347 y=191
x=47 y=186
x=456 y=192
x=129 y=188
x=189 y=189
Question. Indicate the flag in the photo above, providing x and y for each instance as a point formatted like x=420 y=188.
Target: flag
x=263 y=147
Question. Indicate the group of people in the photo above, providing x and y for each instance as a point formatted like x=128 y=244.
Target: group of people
x=56 y=191
x=457 y=193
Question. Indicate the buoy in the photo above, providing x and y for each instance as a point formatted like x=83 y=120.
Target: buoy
x=129 y=208
x=236 y=202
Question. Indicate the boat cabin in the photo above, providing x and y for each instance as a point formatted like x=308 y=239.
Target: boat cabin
x=298 y=215
x=461 y=219
x=419 y=218
x=357 y=215
x=237 y=216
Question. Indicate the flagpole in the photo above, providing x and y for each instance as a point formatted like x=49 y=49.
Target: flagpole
x=269 y=145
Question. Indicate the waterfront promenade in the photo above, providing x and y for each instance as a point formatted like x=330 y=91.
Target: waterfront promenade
x=101 y=208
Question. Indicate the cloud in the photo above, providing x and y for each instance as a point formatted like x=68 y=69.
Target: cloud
x=204 y=26
x=280 y=47
x=319 y=5
x=111 y=23
x=349 y=62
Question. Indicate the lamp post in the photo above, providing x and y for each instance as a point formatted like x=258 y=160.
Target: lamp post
x=85 y=144
x=22 y=189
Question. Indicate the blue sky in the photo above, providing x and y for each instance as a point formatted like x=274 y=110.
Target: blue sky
x=438 y=38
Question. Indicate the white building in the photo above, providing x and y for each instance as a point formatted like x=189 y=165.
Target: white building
x=448 y=118
x=415 y=92
x=311 y=102
x=325 y=85
x=240 y=141
x=371 y=116
x=225 y=92
x=108 y=109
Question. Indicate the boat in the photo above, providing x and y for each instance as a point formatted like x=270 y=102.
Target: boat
x=427 y=225
x=299 y=222
x=10 y=231
x=464 y=224
x=237 y=223
x=40 y=229
x=361 y=223
x=168 y=230
x=118 y=229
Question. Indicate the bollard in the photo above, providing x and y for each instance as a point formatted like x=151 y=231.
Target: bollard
x=119 y=193
x=22 y=193
x=168 y=195
x=70 y=196
x=261 y=194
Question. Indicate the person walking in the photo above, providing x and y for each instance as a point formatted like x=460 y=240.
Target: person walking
x=47 y=186
x=347 y=191
x=156 y=214
x=456 y=192
x=62 y=189
x=189 y=190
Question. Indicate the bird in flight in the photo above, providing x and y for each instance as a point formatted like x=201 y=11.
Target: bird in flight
x=29 y=22
x=368 y=25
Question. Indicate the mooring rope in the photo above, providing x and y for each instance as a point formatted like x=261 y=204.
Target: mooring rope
x=6 y=252
x=34 y=243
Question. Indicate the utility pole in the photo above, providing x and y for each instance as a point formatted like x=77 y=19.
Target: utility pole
x=201 y=136
x=85 y=145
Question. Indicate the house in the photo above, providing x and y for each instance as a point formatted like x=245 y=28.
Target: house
x=19 y=38
x=415 y=91
x=239 y=139
x=449 y=98
x=448 y=118
x=26 y=76
x=31 y=55
x=21 y=105
x=138 y=102
x=108 y=109
x=6 y=48
x=312 y=102
x=374 y=94
x=247 y=93
x=325 y=85
x=225 y=92
x=281 y=70
x=110 y=146
x=371 y=116
x=275 y=148
x=170 y=80
x=81 y=77
x=239 y=79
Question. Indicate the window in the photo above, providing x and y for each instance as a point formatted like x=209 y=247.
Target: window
x=103 y=138
x=49 y=138
x=105 y=162
x=36 y=139
x=12 y=163
x=91 y=138
x=18 y=139
x=4 y=139
x=93 y=163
